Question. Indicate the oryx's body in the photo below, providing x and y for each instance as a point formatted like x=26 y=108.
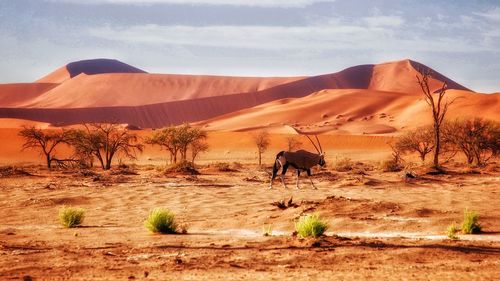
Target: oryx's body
x=301 y=160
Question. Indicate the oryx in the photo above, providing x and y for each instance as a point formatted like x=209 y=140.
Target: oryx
x=301 y=160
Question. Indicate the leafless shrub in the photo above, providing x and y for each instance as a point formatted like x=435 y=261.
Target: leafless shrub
x=104 y=142
x=477 y=139
x=420 y=140
x=261 y=140
x=343 y=165
x=46 y=141
x=293 y=143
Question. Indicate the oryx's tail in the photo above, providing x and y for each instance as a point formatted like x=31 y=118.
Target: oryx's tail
x=277 y=164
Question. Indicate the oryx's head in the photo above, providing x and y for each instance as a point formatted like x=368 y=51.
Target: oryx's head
x=322 y=159
x=319 y=150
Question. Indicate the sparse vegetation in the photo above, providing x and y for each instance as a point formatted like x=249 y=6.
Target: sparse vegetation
x=343 y=165
x=104 y=142
x=470 y=225
x=394 y=163
x=70 y=216
x=439 y=108
x=262 y=141
x=178 y=139
x=477 y=139
x=46 y=141
x=282 y=204
x=310 y=225
x=267 y=230
x=222 y=167
x=420 y=140
x=293 y=143
x=183 y=167
x=161 y=220
x=452 y=230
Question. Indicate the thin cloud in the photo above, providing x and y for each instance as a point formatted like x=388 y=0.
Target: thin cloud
x=493 y=14
x=255 y=3
x=317 y=37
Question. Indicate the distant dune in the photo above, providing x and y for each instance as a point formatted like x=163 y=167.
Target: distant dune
x=365 y=99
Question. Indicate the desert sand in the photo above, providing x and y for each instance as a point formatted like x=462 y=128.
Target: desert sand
x=382 y=225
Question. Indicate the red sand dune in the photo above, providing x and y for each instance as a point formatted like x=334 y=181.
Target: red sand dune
x=13 y=95
x=352 y=111
x=108 y=90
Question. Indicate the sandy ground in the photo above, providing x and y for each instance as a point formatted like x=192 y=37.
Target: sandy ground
x=380 y=226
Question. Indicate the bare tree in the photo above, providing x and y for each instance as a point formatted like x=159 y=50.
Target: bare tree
x=45 y=141
x=438 y=106
x=420 y=140
x=197 y=147
x=293 y=143
x=262 y=141
x=476 y=138
x=104 y=141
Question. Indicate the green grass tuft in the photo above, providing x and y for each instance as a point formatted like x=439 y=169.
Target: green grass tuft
x=161 y=220
x=310 y=226
x=470 y=224
x=70 y=216
x=267 y=230
x=452 y=230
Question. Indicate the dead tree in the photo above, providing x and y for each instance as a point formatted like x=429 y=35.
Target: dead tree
x=45 y=141
x=293 y=143
x=104 y=141
x=438 y=106
x=261 y=140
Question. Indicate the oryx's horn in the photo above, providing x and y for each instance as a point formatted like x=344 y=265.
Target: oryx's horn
x=313 y=144
x=320 y=148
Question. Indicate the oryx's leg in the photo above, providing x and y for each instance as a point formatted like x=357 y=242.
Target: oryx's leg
x=277 y=165
x=298 y=175
x=285 y=168
x=309 y=177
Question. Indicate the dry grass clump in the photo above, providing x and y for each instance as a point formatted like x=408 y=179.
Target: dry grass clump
x=161 y=220
x=391 y=165
x=70 y=216
x=222 y=167
x=310 y=225
x=9 y=171
x=183 y=167
x=343 y=165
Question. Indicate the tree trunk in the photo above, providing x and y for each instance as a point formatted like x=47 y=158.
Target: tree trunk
x=49 y=162
x=437 y=145
x=260 y=158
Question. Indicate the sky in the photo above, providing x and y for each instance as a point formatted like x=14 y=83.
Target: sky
x=460 y=39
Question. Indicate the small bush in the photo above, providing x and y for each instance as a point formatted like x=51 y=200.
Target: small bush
x=161 y=220
x=71 y=216
x=470 y=224
x=222 y=167
x=391 y=165
x=310 y=226
x=452 y=230
x=344 y=165
x=183 y=167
